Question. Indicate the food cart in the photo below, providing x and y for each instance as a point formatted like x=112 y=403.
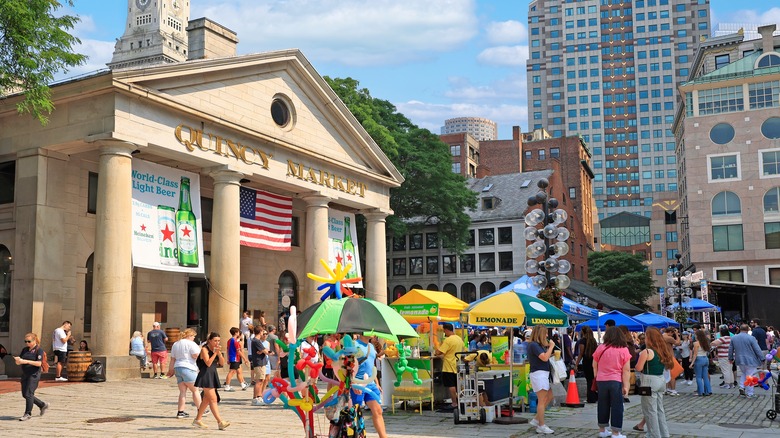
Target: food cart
x=425 y=309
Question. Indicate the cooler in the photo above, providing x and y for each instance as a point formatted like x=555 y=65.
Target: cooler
x=496 y=384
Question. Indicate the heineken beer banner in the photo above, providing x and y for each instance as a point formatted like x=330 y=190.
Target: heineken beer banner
x=342 y=243
x=167 y=228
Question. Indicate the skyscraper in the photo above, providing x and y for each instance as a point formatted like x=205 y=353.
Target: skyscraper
x=607 y=70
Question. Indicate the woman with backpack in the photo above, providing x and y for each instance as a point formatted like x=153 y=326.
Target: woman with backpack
x=32 y=359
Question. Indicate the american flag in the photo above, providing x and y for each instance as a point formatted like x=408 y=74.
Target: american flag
x=266 y=220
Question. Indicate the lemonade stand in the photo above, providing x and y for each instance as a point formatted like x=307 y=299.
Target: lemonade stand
x=426 y=309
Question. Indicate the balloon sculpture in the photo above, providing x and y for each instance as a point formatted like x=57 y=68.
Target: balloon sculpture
x=773 y=355
x=299 y=392
x=402 y=366
x=755 y=381
x=334 y=284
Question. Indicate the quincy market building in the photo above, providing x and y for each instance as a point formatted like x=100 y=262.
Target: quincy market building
x=93 y=219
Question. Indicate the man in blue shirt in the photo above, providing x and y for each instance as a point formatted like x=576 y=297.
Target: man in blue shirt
x=156 y=339
x=760 y=334
x=366 y=358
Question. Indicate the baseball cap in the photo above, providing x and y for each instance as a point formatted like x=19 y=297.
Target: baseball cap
x=528 y=333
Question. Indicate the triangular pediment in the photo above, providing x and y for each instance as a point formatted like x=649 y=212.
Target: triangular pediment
x=238 y=92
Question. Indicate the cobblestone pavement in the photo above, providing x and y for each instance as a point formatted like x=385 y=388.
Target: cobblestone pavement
x=148 y=407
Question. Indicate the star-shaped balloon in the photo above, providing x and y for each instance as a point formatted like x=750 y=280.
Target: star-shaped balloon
x=334 y=285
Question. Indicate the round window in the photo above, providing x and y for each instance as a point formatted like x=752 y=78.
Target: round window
x=280 y=112
x=771 y=128
x=722 y=133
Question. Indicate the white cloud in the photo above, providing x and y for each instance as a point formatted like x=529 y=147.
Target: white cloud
x=513 y=56
x=431 y=116
x=350 y=32
x=506 y=32
x=510 y=87
x=98 y=53
x=750 y=16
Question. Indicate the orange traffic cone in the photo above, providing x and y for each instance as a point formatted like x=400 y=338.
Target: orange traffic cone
x=573 y=395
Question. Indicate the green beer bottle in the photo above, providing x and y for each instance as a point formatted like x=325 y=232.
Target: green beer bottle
x=186 y=228
x=349 y=249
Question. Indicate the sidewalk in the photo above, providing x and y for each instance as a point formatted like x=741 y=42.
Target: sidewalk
x=148 y=406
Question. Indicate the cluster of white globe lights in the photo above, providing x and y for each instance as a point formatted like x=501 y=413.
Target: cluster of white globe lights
x=677 y=284
x=542 y=239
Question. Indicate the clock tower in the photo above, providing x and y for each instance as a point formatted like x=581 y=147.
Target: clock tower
x=155 y=34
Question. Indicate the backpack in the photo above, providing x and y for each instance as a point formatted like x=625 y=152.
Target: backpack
x=45 y=363
x=350 y=424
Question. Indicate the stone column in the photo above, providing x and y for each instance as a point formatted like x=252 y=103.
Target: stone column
x=225 y=271
x=316 y=246
x=113 y=274
x=375 y=277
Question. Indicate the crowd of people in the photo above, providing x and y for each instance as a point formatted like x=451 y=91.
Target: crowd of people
x=656 y=357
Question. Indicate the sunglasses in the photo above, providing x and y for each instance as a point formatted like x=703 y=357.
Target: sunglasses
x=26 y=341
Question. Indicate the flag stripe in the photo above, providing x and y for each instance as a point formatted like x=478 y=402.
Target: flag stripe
x=266 y=220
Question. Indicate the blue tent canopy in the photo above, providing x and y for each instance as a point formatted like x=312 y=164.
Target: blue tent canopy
x=656 y=320
x=572 y=308
x=620 y=318
x=697 y=305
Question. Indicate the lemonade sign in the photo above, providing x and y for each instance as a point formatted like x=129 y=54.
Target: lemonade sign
x=424 y=310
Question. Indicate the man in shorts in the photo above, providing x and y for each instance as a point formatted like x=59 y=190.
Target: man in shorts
x=259 y=361
x=452 y=344
x=156 y=339
x=235 y=355
x=59 y=343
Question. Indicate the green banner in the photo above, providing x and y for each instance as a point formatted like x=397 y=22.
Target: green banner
x=431 y=310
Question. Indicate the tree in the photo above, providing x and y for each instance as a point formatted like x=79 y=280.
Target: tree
x=622 y=275
x=34 y=45
x=431 y=194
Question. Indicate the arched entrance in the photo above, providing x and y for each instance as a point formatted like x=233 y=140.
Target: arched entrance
x=5 y=289
x=398 y=292
x=288 y=296
x=486 y=289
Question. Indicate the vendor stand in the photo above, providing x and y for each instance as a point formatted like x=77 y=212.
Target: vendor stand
x=425 y=309
x=511 y=308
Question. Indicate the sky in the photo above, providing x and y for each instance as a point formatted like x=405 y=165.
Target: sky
x=433 y=59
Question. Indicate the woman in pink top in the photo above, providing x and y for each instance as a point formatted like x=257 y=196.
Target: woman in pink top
x=611 y=366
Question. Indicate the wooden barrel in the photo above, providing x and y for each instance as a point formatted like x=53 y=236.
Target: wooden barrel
x=173 y=335
x=78 y=362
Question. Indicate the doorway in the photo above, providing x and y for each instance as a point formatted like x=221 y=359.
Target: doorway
x=198 y=307
x=288 y=296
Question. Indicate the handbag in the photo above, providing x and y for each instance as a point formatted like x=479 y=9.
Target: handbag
x=644 y=390
x=557 y=369
x=676 y=370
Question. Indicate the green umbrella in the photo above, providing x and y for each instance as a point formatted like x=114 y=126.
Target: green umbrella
x=354 y=315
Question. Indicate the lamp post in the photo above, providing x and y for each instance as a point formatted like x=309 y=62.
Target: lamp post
x=548 y=242
x=582 y=299
x=679 y=289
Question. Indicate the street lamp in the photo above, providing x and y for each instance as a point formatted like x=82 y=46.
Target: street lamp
x=582 y=299
x=679 y=288
x=548 y=242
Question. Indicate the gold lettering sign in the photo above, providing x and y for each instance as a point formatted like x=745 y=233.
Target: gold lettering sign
x=327 y=179
x=206 y=142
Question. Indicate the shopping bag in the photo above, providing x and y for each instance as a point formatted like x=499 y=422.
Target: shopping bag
x=95 y=372
x=557 y=369
x=676 y=370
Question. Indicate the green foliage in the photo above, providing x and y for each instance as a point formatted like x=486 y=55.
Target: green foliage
x=34 y=45
x=681 y=316
x=552 y=295
x=431 y=193
x=622 y=275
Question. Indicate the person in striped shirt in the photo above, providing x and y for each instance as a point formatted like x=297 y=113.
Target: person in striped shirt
x=722 y=346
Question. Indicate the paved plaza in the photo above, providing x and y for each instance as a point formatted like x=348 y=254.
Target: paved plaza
x=147 y=407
